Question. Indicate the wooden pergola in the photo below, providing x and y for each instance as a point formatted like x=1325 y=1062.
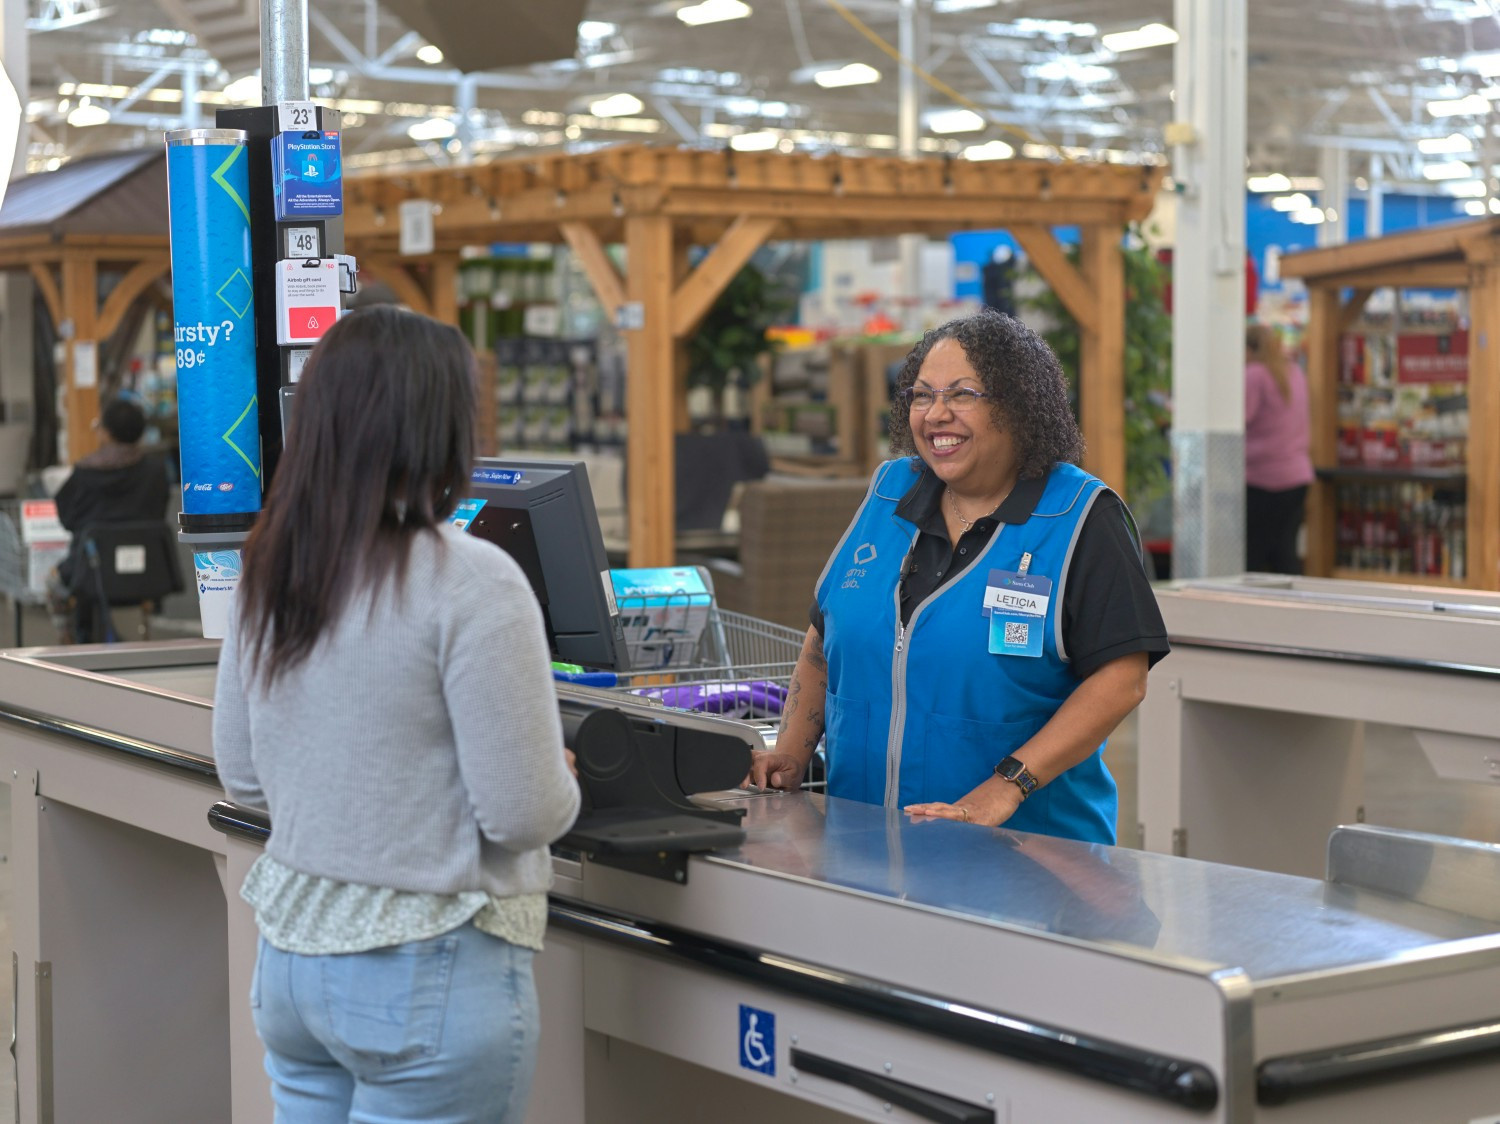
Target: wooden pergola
x=660 y=202
x=1340 y=280
x=88 y=275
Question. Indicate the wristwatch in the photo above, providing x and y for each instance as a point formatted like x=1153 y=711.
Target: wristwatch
x=1018 y=774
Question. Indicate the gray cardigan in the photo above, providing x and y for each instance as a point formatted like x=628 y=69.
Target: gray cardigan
x=419 y=746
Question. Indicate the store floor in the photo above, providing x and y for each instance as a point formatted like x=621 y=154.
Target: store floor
x=1400 y=791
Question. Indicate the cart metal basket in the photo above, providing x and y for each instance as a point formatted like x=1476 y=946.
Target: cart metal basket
x=739 y=666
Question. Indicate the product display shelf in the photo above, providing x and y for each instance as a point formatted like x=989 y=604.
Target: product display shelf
x=1400 y=333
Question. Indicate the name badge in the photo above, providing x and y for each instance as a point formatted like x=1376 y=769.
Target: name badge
x=1016 y=604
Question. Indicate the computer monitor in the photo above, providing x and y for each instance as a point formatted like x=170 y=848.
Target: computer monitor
x=542 y=514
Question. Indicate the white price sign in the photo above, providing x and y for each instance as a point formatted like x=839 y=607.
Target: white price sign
x=303 y=242
x=297 y=116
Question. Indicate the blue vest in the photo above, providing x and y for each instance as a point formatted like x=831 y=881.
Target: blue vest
x=931 y=722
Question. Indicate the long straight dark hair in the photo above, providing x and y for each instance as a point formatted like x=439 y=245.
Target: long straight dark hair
x=379 y=450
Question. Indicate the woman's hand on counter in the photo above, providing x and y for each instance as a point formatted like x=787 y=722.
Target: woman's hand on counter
x=989 y=805
x=776 y=770
x=572 y=760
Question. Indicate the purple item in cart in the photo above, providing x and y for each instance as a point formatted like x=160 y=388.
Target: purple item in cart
x=758 y=698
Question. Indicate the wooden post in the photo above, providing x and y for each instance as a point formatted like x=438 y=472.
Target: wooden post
x=444 y=289
x=1324 y=326
x=1101 y=373
x=1482 y=564
x=650 y=382
x=80 y=293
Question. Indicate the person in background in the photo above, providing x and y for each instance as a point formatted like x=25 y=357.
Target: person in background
x=119 y=482
x=385 y=691
x=1278 y=468
x=986 y=620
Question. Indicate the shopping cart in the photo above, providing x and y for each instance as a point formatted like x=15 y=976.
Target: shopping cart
x=737 y=665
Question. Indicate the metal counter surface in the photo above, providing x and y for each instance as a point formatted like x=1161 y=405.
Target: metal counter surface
x=1159 y=907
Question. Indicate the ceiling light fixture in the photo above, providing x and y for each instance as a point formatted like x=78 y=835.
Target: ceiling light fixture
x=1466 y=189
x=245 y=91
x=1069 y=69
x=1298 y=202
x=1447 y=170
x=616 y=105
x=429 y=54
x=320 y=75
x=87 y=115
x=1311 y=216
x=990 y=150
x=1475 y=105
x=713 y=11
x=434 y=128
x=1475 y=206
x=1152 y=35
x=591 y=31
x=954 y=121
x=761 y=141
x=944 y=6
x=1443 y=146
x=850 y=74
x=1273 y=182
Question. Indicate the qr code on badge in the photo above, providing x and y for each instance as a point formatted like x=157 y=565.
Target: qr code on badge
x=1017 y=634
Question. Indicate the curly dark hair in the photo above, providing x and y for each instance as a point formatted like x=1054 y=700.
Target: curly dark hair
x=1027 y=391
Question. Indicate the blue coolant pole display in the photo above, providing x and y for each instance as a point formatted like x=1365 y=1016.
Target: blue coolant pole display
x=213 y=308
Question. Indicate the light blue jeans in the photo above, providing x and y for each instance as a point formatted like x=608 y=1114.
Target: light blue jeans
x=441 y=1031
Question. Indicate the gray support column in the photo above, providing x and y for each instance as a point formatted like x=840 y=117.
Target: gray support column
x=1333 y=168
x=1208 y=322
x=15 y=288
x=912 y=43
x=283 y=51
x=1375 y=199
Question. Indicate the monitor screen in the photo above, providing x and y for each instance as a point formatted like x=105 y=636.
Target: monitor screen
x=542 y=514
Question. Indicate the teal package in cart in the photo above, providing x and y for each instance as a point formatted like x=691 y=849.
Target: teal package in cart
x=1016 y=604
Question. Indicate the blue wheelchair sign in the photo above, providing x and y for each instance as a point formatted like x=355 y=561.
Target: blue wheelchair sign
x=758 y=1040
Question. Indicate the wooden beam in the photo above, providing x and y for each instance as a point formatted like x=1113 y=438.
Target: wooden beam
x=1416 y=275
x=129 y=289
x=1101 y=374
x=1482 y=564
x=1393 y=249
x=696 y=295
x=1052 y=263
x=394 y=274
x=650 y=381
x=80 y=303
x=928 y=211
x=46 y=284
x=1353 y=308
x=608 y=285
x=1324 y=328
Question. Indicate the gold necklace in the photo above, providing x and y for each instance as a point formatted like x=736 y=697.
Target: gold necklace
x=969 y=523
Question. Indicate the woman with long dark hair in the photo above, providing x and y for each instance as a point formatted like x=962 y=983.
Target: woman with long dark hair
x=384 y=690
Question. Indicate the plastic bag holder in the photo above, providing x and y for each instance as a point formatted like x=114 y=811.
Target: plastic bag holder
x=636 y=813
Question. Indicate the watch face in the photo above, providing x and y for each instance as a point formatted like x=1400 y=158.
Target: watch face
x=1010 y=768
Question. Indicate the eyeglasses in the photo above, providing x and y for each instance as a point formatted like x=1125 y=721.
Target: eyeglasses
x=960 y=399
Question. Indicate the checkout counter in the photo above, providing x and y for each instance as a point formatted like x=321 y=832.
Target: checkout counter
x=1252 y=732
x=841 y=962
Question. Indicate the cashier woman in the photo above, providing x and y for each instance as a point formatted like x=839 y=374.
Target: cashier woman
x=986 y=620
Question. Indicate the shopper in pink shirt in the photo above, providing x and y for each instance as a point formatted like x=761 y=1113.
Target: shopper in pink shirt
x=1277 y=466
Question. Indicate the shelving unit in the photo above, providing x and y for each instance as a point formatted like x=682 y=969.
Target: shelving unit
x=1444 y=515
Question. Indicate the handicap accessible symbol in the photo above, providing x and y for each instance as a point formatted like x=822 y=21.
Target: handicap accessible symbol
x=758 y=1040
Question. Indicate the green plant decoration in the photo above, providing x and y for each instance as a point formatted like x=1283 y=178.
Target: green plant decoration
x=1148 y=369
x=732 y=336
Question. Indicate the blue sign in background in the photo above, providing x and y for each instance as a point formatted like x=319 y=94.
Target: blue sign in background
x=214 y=321
x=496 y=476
x=758 y=1040
x=309 y=175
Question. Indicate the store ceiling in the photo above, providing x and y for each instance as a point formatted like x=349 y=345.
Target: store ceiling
x=1356 y=74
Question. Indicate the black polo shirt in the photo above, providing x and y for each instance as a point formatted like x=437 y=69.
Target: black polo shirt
x=1108 y=608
